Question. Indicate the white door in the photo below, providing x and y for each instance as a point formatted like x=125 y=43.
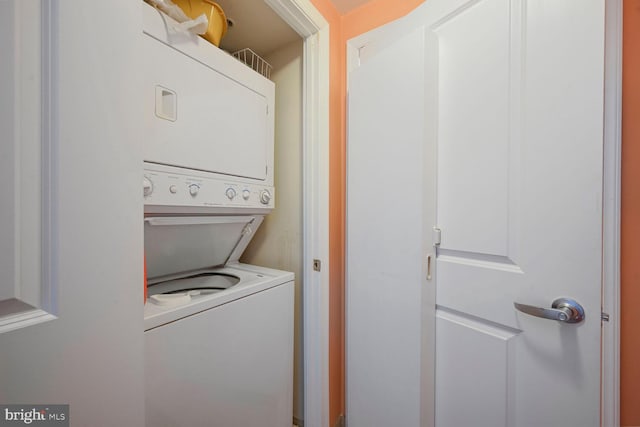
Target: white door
x=70 y=86
x=518 y=101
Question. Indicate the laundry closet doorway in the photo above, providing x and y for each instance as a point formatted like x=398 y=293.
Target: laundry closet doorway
x=292 y=37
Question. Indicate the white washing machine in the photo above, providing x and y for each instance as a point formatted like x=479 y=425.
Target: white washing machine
x=218 y=333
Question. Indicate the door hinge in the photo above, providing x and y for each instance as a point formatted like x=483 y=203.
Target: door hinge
x=604 y=317
x=437 y=236
x=317 y=265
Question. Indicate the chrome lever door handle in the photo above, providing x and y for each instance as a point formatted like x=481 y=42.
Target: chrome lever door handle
x=562 y=309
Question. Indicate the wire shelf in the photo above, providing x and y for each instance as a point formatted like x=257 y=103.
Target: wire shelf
x=253 y=61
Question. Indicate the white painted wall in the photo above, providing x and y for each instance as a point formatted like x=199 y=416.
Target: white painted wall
x=278 y=242
x=91 y=357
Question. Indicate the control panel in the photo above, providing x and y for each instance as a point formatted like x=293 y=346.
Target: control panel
x=170 y=186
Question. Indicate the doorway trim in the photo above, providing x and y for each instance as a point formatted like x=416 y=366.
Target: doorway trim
x=307 y=21
x=610 y=385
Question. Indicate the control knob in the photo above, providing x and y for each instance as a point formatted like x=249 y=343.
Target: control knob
x=245 y=194
x=147 y=186
x=231 y=193
x=265 y=197
x=193 y=190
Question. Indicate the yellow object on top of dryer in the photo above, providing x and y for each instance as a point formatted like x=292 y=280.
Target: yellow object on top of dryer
x=214 y=13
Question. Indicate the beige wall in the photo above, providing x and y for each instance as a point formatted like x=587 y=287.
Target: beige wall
x=278 y=242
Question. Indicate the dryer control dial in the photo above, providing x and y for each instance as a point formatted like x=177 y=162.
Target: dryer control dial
x=231 y=193
x=147 y=186
x=246 y=194
x=193 y=189
x=265 y=197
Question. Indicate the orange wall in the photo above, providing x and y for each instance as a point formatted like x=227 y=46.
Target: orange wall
x=630 y=267
x=374 y=14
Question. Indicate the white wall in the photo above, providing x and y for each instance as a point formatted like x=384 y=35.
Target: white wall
x=91 y=357
x=278 y=242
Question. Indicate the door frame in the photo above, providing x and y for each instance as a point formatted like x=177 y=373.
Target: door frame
x=610 y=377
x=612 y=144
x=307 y=21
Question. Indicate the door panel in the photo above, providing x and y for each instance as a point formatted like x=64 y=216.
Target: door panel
x=484 y=383
x=473 y=128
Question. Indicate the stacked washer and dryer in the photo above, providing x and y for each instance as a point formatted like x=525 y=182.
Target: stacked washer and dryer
x=218 y=333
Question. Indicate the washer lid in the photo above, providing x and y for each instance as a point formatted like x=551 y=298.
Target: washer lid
x=185 y=243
